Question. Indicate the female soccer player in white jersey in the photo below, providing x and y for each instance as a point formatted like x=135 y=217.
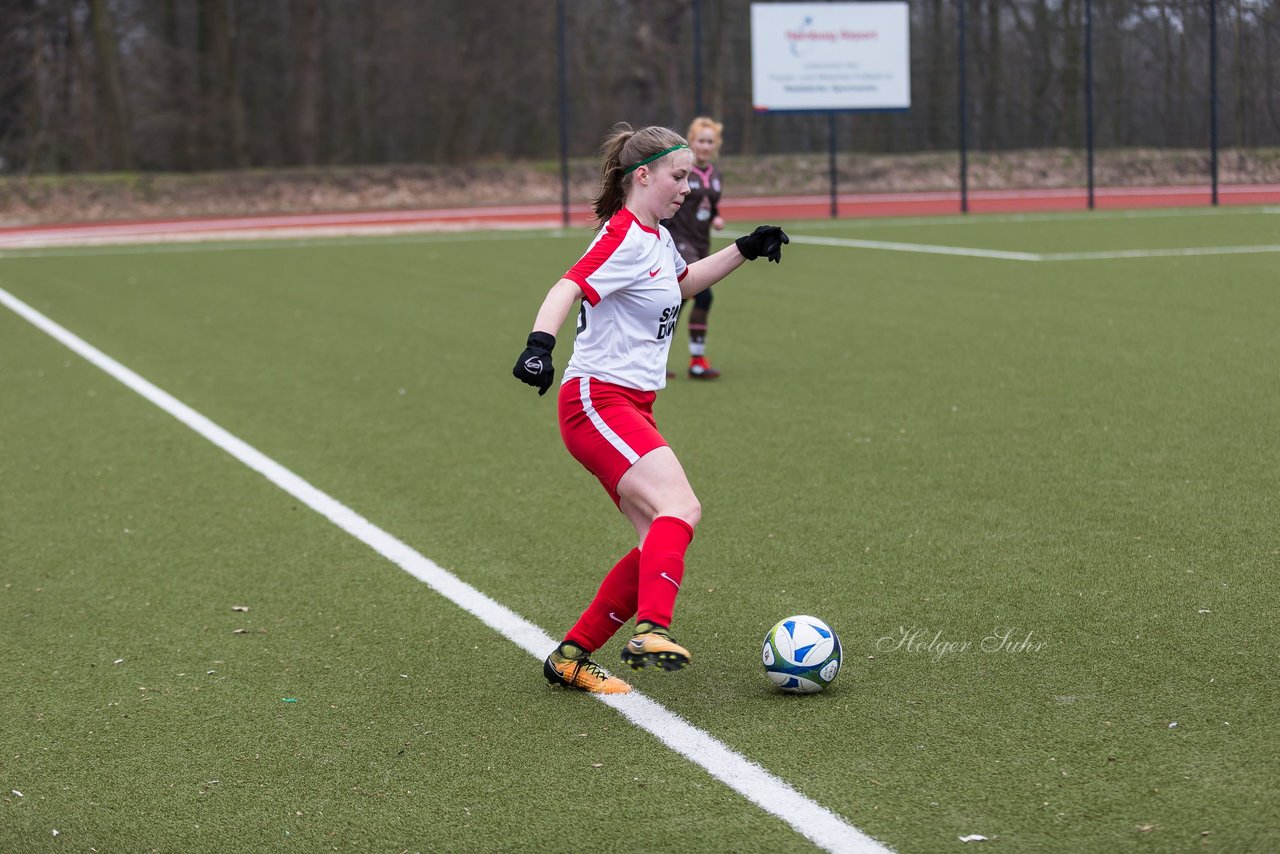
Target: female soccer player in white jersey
x=631 y=282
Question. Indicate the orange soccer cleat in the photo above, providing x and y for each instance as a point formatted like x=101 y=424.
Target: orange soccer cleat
x=655 y=649
x=583 y=674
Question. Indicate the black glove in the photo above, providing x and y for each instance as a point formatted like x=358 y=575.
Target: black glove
x=766 y=240
x=534 y=365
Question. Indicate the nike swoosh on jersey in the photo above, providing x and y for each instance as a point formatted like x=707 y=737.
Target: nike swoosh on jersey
x=653 y=273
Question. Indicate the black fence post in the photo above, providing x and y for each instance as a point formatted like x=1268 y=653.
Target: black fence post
x=964 y=152
x=1088 y=92
x=1213 y=96
x=564 y=115
x=835 y=176
x=697 y=58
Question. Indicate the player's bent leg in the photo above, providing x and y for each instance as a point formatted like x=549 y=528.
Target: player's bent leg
x=612 y=607
x=661 y=573
x=656 y=496
x=657 y=486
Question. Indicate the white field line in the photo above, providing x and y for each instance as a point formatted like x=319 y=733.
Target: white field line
x=275 y=242
x=1160 y=253
x=775 y=796
x=257 y=227
x=107 y=237
x=254 y=243
x=1037 y=216
x=424 y=218
x=432 y=217
x=852 y=199
x=321 y=230
x=923 y=248
x=999 y=254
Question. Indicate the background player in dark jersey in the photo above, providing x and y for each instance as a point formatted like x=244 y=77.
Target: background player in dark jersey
x=691 y=227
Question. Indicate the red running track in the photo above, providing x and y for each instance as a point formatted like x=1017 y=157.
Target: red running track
x=747 y=208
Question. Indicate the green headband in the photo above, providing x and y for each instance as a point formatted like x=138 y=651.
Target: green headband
x=663 y=153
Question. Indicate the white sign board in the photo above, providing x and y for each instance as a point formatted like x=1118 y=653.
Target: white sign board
x=830 y=56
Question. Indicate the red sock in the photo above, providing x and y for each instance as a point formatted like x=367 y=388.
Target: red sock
x=662 y=568
x=614 y=605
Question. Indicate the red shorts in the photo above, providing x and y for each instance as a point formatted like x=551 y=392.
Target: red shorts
x=607 y=427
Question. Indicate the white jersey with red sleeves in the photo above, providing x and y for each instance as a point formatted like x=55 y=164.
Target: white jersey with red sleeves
x=630 y=280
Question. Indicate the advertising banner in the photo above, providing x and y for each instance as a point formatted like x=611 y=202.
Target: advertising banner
x=830 y=56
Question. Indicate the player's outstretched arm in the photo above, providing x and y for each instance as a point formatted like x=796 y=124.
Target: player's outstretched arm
x=766 y=241
x=534 y=365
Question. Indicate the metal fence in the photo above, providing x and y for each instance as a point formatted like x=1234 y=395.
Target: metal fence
x=1007 y=95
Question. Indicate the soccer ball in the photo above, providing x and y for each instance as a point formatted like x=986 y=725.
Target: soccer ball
x=801 y=654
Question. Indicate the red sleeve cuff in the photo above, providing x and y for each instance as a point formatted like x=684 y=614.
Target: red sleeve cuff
x=588 y=292
x=685 y=272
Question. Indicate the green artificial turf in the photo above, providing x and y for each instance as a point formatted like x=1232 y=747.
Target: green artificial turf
x=931 y=453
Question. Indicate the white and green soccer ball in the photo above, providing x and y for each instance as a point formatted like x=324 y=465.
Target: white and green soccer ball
x=801 y=654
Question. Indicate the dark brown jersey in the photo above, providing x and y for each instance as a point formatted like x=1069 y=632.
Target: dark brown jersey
x=691 y=225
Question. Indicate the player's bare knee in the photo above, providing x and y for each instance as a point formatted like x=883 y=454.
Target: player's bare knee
x=690 y=511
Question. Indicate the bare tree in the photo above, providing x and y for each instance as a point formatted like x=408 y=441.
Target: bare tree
x=205 y=84
x=111 y=89
x=308 y=18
